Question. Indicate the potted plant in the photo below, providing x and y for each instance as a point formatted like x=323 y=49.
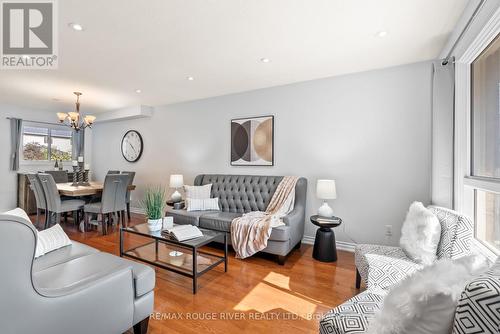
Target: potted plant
x=154 y=203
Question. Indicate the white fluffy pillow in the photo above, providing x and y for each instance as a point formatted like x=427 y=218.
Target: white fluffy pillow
x=425 y=302
x=51 y=239
x=420 y=234
x=198 y=192
x=195 y=204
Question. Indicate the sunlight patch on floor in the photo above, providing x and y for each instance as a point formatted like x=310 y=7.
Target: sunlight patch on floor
x=269 y=296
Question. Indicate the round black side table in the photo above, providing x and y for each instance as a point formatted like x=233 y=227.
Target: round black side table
x=325 y=248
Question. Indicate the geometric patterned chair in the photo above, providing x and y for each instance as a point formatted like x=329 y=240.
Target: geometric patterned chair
x=352 y=316
x=380 y=267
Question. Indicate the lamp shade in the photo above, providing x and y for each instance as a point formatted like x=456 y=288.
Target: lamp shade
x=176 y=181
x=326 y=189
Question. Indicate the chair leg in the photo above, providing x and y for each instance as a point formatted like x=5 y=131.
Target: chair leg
x=104 y=226
x=358 y=279
x=141 y=327
x=58 y=218
x=122 y=214
x=297 y=246
x=37 y=217
x=47 y=219
x=65 y=218
x=281 y=260
x=128 y=211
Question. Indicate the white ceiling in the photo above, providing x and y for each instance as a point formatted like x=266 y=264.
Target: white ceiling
x=155 y=45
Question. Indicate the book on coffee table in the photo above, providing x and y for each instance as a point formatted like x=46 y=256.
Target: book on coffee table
x=183 y=232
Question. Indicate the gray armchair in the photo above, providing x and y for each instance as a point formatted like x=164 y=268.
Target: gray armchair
x=75 y=289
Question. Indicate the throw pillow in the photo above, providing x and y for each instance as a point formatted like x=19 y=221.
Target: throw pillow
x=420 y=234
x=425 y=302
x=477 y=310
x=39 y=251
x=195 y=204
x=51 y=239
x=198 y=192
x=19 y=213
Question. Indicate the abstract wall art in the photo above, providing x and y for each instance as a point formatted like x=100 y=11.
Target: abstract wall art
x=252 y=141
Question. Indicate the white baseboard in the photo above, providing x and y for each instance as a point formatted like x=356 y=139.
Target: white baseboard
x=341 y=245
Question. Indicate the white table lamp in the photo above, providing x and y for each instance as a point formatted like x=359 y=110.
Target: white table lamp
x=325 y=190
x=176 y=181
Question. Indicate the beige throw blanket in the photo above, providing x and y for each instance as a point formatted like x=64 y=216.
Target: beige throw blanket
x=250 y=232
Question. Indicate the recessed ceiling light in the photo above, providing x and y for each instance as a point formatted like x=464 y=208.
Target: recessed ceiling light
x=265 y=60
x=381 y=33
x=76 y=26
x=190 y=78
x=138 y=91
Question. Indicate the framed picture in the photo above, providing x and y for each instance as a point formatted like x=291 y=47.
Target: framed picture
x=252 y=141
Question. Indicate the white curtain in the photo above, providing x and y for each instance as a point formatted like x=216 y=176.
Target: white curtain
x=443 y=115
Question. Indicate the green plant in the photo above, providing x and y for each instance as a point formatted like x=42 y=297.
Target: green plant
x=154 y=202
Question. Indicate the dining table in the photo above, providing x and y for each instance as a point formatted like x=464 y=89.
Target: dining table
x=94 y=187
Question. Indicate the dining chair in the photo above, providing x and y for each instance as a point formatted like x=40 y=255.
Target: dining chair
x=56 y=206
x=41 y=203
x=112 y=201
x=60 y=176
x=127 y=199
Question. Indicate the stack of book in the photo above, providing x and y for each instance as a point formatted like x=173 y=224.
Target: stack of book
x=183 y=232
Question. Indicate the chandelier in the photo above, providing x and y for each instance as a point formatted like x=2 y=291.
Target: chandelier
x=74 y=118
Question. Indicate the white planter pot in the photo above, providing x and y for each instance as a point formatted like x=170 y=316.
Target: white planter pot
x=155 y=224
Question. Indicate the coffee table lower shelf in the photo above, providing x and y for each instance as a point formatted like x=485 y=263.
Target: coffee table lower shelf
x=192 y=262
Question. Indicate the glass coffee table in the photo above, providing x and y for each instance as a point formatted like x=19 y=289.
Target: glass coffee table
x=182 y=257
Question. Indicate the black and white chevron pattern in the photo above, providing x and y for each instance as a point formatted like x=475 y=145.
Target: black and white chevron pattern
x=352 y=316
x=478 y=310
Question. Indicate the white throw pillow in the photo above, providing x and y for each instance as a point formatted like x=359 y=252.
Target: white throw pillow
x=425 y=302
x=195 y=204
x=39 y=251
x=198 y=192
x=51 y=239
x=420 y=234
x=19 y=213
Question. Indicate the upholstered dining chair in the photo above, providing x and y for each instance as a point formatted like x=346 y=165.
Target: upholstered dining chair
x=56 y=206
x=127 y=198
x=112 y=201
x=41 y=202
x=60 y=176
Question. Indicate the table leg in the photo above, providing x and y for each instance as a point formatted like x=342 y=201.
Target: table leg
x=225 y=252
x=156 y=249
x=121 y=243
x=195 y=270
x=325 y=249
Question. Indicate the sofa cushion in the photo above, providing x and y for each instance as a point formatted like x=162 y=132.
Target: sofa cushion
x=54 y=280
x=221 y=221
x=185 y=217
x=353 y=315
x=65 y=254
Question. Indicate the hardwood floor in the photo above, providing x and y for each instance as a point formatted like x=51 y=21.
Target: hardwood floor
x=256 y=295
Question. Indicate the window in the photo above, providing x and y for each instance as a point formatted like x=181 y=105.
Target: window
x=484 y=178
x=44 y=143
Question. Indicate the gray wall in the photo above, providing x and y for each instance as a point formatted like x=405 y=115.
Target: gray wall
x=8 y=179
x=370 y=131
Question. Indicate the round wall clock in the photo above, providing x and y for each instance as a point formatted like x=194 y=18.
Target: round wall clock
x=132 y=146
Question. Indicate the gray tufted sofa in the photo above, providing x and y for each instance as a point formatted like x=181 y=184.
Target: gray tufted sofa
x=240 y=194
